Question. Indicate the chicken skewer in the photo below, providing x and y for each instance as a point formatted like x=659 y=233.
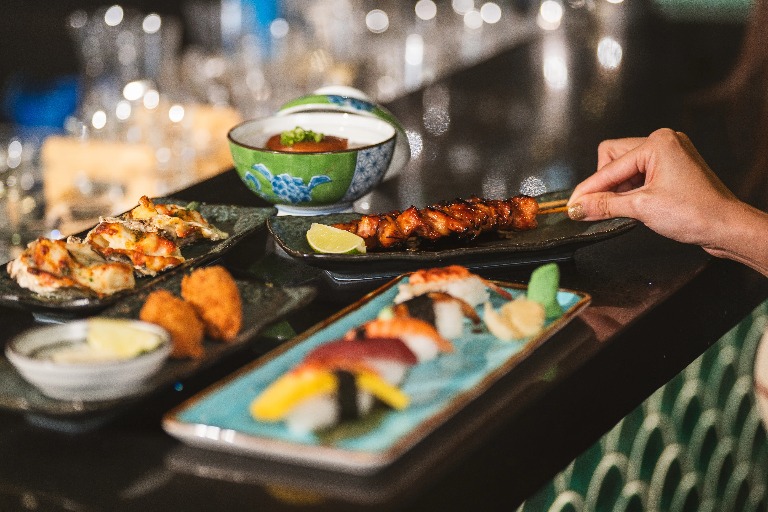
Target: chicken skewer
x=461 y=218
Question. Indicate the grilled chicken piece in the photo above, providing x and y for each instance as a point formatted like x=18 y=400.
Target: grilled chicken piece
x=184 y=225
x=147 y=249
x=47 y=265
x=462 y=218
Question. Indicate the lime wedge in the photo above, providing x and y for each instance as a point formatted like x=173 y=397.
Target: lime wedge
x=119 y=338
x=331 y=240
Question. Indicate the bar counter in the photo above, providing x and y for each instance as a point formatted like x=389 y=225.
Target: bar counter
x=529 y=117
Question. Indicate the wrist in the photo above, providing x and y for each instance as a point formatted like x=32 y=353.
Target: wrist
x=740 y=233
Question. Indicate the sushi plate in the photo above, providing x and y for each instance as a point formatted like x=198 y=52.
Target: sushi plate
x=263 y=304
x=237 y=221
x=218 y=418
x=555 y=239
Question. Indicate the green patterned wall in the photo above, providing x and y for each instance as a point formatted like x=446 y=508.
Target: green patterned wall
x=696 y=445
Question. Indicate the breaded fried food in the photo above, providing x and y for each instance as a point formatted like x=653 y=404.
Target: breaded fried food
x=180 y=319
x=213 y=293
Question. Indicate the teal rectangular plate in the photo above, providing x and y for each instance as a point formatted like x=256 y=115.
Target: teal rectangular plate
x=219 y=418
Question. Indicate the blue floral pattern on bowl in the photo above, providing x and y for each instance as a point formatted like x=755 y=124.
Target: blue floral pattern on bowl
x=346 y=101
x=367 y=174
x=288 y=188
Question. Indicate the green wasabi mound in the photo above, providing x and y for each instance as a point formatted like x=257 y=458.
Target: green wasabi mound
x=543 y=286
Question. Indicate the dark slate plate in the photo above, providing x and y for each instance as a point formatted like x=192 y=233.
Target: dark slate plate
x=263 y=304
x=555 y=239
x=237 y=221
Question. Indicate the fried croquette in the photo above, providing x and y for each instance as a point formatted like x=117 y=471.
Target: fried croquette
x=213 y=293
x=178 y=318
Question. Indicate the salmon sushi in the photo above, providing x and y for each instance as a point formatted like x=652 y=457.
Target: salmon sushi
x=442 y=310
x=419 y=336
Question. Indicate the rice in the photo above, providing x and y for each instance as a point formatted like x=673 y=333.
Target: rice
x=449 y=320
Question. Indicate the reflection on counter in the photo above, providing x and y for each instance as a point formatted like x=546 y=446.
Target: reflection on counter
x=153 y=113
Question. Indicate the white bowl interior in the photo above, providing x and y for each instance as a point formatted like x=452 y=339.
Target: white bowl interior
x=102 y=380
x=359 y=130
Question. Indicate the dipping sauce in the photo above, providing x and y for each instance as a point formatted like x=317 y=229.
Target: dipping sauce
x=328 y=143
x=300 y=140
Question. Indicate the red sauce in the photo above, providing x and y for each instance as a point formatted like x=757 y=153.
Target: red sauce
x=329 y=143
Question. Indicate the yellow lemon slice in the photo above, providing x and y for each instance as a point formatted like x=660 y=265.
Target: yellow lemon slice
x=330 y=240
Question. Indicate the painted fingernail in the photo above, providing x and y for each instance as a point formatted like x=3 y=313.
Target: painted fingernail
x=576 y=211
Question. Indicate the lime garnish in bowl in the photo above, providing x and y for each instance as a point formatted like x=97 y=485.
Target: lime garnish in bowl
x=119 y=338
x=330 y=240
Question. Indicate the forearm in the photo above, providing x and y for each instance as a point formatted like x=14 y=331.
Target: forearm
x=742 y=235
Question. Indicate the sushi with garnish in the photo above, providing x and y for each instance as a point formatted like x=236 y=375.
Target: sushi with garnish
x=390 y=358
x=442 y=310
x=311 y=398
x=454 y=280
x=419 y=336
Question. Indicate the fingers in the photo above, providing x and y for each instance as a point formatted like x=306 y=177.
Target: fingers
x=610 y=150
x=601 y=206
x=620 y=175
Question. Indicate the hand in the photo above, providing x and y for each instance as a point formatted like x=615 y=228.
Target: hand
x=660 y=180
x=663 y=182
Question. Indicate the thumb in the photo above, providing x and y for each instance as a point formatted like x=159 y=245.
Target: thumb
x=600 y=206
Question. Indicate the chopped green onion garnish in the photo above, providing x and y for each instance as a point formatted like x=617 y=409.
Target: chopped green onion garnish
x=298 y=134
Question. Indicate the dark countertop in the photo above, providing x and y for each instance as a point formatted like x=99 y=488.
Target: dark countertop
x=656 y=306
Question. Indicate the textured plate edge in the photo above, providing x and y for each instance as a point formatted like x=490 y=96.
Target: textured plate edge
x=334 y=458
x=67 y=410
x=333 y=261
x=76 y=306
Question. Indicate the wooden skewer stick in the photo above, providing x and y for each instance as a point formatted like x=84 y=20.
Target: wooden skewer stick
x=553 y=206
x=546 y=205
x=553 y=210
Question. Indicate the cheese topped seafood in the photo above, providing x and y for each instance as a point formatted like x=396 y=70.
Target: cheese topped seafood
x=46 y=266
x=142 y=242
x=184 y=225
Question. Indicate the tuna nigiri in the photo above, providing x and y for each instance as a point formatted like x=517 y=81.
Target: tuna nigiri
x=390 y=358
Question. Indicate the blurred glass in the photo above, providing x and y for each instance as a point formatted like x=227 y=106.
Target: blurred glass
x=22 y=213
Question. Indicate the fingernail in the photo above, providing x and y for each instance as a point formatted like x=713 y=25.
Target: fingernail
x=576 y=211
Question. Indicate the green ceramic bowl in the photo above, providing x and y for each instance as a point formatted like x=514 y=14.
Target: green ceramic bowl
x=318 y=182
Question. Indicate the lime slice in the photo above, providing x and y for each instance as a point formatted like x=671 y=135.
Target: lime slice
x=331 y=240
x=119 y=338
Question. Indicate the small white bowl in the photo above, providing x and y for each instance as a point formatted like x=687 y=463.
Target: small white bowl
x=83 y=381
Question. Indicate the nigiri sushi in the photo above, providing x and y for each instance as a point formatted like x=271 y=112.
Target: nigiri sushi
x=454 y=280
x=390 y=358
x=440 y=309
x=310 y=398
x=419 y=336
